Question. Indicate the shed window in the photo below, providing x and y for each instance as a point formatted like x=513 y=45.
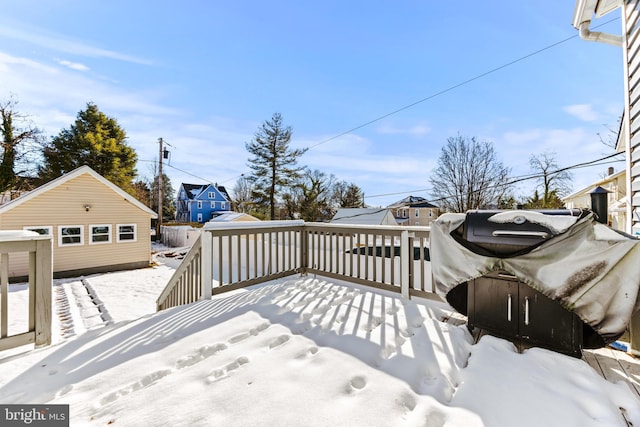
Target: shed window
x=100 y=233
x=126 y=233
x=70 y=235
x=43 y=230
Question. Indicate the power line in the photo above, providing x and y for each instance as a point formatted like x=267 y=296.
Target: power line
x=450 y=88
x=517 y=179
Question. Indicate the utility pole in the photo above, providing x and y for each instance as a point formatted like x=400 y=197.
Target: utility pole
x=159 y=222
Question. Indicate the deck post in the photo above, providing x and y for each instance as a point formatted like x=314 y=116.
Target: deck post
x=206 y=262
x=404 y=263
x=41 y=285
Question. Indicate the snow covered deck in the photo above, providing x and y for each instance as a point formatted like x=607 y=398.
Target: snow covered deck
x=337 y=354
x=611 y=364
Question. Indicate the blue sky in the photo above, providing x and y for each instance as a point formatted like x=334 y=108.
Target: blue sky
x=205 y=75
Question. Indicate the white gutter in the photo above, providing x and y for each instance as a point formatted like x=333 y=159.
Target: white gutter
x=596 y=36
x=583 y=14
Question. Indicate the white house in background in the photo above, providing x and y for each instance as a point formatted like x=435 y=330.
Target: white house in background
x=615 y=183
x=629 y=41
x=364 y=216
x=96 y=226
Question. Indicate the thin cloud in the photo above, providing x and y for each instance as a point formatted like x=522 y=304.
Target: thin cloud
x=583 y=112
x=60 y=44
x=73 y=65
x=419 y=129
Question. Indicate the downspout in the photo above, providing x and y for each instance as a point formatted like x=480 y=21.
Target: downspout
x=596 y=36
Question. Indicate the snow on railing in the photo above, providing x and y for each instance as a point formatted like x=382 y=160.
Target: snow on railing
x=235 y=255
x=13 y=245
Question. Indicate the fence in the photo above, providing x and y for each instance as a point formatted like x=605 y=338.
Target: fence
x=235 y=255
x=38 y=327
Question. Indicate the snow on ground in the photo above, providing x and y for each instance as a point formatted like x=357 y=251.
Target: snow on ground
x=297 y=351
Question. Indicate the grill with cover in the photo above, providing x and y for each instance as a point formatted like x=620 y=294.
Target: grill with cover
x=538 y=278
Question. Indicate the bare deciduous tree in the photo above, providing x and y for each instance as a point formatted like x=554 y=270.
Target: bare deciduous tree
x=469 y=175
x=552 y=182
x=242 y=194
x=347 y=195
x=19 y=138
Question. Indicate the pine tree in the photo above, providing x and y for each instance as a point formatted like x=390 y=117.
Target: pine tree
x=273 y=164
x=95 y=140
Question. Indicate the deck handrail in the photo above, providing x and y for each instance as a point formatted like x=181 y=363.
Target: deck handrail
x=235 y=255
x=40 y=279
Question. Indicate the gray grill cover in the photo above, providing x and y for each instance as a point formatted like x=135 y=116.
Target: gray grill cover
x=588 y=268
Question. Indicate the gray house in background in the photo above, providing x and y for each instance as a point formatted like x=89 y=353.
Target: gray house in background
x=364 y=216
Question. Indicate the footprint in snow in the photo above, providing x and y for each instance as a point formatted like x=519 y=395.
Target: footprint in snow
x=201 y=354
x=279 y=341
x=223 y=372
x=356 y=383
x=251 y=332
x=308 y=352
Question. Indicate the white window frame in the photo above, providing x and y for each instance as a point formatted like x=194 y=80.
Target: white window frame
x=49 y=229
x=199 y=217
x=92 y=234
x=135 y=233
x=213 y=205
x=61 y=236
x=212 y=195
x=223 y=206
x=199 y=204
x=417 y=213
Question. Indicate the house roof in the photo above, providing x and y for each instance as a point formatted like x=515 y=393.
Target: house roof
x=413 y=202
x=194 y=190
x=590 y=187
x=365 y=216
x=69 y=176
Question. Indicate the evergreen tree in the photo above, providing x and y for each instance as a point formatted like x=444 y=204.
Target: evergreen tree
x=168 y=200
x=95 y=140
x=273 y=164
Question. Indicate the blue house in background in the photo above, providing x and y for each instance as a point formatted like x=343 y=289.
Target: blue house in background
x=200 y=202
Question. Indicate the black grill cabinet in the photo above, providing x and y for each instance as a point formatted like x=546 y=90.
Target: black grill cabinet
x=503 y=306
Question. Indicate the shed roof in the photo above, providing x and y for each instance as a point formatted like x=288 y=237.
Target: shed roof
x=364 y=216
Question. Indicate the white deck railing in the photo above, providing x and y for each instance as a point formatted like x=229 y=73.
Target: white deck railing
x=230 y=256
x=13 y=245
